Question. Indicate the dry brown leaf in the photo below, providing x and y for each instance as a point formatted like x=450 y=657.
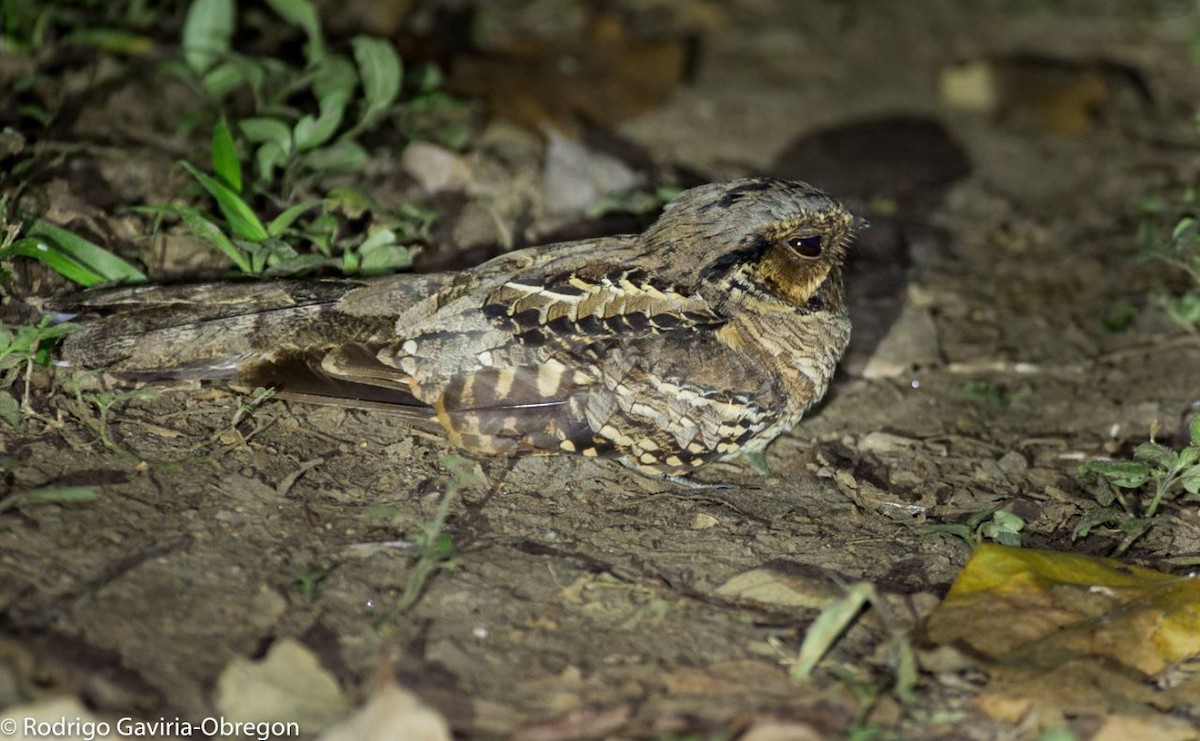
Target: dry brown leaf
x=289 y=684
x=782 y=584
x=777 y=730
x=725 y=678
x=392 y=712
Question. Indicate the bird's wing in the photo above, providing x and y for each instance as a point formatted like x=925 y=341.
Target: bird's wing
x=566 y=361
x=673 y=401
x=598 y=302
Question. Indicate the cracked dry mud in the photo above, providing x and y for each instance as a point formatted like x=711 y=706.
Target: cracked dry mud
x=579 y=589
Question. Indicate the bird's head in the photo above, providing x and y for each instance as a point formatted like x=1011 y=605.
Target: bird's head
x=779 y=244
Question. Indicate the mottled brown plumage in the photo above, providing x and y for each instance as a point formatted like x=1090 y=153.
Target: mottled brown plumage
x=706 y=336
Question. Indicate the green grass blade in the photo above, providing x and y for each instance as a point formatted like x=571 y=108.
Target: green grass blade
x=207 y=32
x=46 y=253
x=284 y=220
x=65 y=494
x=241 y=218
x=86 y=252
x=51 y=494
x=112 y=40
x=206 y=230
x=72 y=256
x=224 y=157
x=211 y=233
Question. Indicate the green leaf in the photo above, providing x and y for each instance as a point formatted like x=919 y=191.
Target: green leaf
x=380 y=254
x=72 y=256
x=334 y=82
x=1191 y=480
x=1094 y=517
x=18 y=342
x=302 y=13
x=1125 y=474
x=429 y=77
x=266 y=129
x=284 y=220
x=957 y=529
x=341 y=156
x=1004 y=528
x=1182 y=226
x=1119 y=316
x=312 y=132
x=349 y=200
x=267 y=253
x=1160 y=456
x=10 y=409
x=384 y=260
x=267 y=158
x=224 y=79
x=380 y=71
x=1187 y=457
x=1194 y=430
x=207 y=32
x=295 y=264
x=276 y=139
x=1183 y=310
x=977 y=519
x=1136 y=526
x=224 y=157
x=334 y=85
x=238 y=213
x=321 y=232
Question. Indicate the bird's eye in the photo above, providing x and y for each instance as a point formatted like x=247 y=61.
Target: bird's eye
x=809 y=246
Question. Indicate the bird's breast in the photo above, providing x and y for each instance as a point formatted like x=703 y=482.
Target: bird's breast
x=801 y=352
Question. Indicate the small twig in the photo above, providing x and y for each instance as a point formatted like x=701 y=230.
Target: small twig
x=288 y=481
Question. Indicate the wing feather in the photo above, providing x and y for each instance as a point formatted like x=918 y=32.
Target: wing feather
x=601 y=302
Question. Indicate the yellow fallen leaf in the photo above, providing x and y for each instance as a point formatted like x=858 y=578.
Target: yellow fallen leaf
x=1064 y=634
x=1064 y=605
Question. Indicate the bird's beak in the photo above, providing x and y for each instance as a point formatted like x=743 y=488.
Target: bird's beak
x=860 y=224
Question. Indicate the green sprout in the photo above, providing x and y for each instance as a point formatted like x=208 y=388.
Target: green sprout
x=1156 y=472
x=995 y=524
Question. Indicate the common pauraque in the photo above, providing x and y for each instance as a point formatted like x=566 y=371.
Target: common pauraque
x=706 y=336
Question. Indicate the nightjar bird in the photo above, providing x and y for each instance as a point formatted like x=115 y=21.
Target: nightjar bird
x=707 y=336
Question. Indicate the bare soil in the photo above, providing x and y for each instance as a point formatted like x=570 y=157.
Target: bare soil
x=583 y=599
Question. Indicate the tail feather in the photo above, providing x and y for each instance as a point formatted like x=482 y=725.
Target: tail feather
x=234 y=330
x=301 y=376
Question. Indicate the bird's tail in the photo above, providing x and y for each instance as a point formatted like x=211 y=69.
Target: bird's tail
x=272 y=333
x=207 y=331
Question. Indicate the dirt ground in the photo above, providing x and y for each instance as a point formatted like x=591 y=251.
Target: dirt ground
x=583 y=600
